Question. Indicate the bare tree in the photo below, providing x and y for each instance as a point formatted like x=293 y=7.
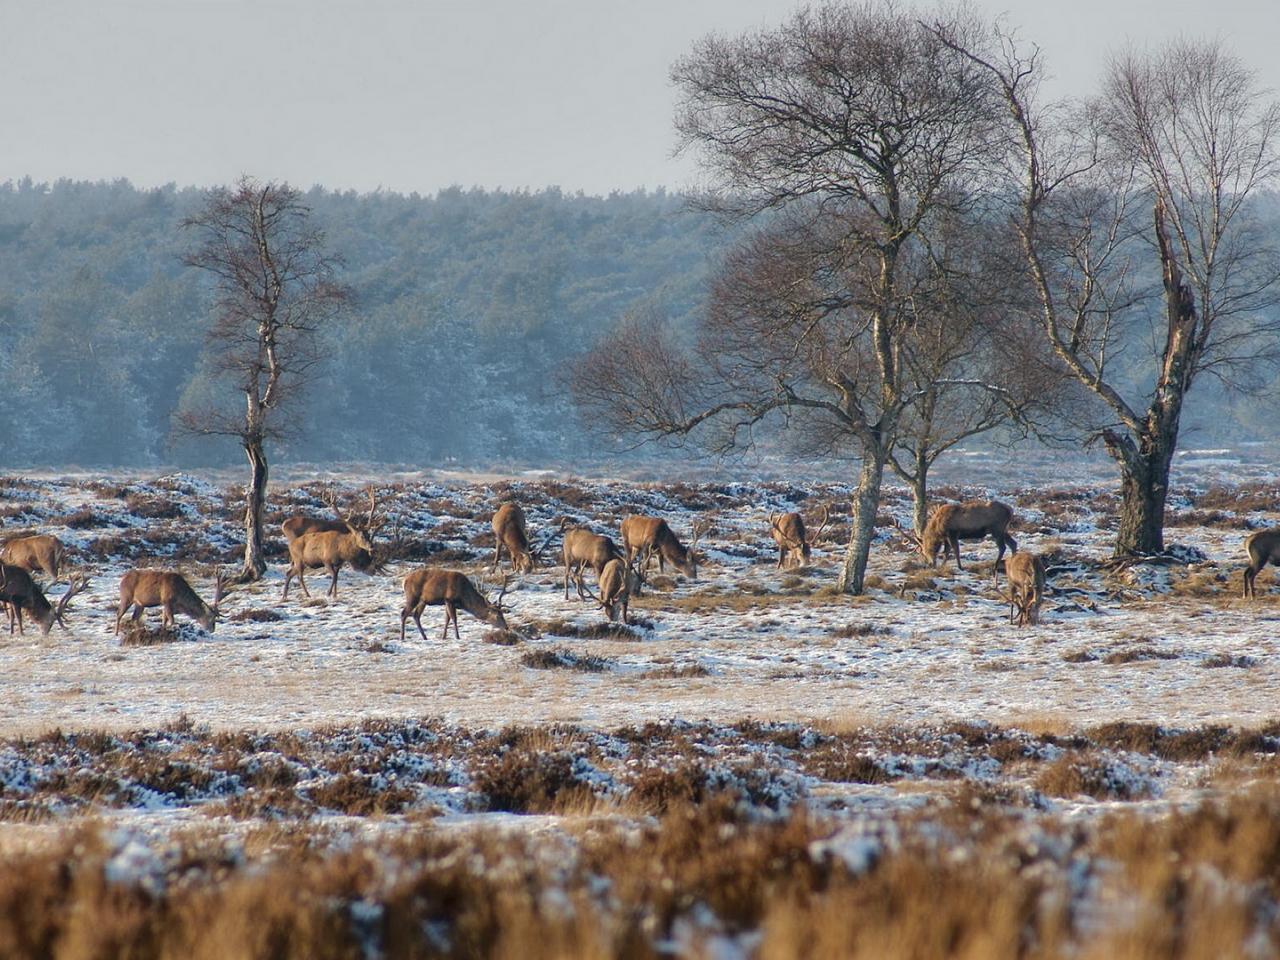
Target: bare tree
x=275 y=291
x=1187 y=135
x=857 y=130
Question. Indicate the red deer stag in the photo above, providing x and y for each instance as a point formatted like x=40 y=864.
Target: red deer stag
x=1263 y=547
x=647 y=536
x=788 y=532
x=429 y=587
x=953 y=522
x=1026 y=574
x=43 y=552
x=170 y=592
x=619 y=582
x=509 y=531
x=299 y=523
x=20 y=592
x=582 y=549
x=332 y=549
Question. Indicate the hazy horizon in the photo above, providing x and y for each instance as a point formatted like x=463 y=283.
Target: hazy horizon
x=419 y=97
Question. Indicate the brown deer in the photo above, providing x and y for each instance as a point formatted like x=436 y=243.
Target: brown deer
x=43 y=552
x=1263 y=547
x=953 y=522
x=647 y=536
x=331 y=549
x=619 y=582
x=299 y=523
x=509 y=531
x=20 y=592
x=788 y=532
x=1026 y=574
x=430 y=587
x=170 y=592
x=582 y=549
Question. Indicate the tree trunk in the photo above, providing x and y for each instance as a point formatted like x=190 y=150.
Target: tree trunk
x=920 y=494
x=1145 y=455
x=866 y=502
x=255 y=560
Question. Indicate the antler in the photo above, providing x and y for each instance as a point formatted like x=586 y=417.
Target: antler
x=537 y=554
x=219 y=587
x=74 y=586
x=331 y=499
x=826 y=518
x=503 y=592
x=374 y=522
x=699 y=528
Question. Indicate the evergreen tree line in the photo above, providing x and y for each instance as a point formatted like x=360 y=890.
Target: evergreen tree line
x=468 y=306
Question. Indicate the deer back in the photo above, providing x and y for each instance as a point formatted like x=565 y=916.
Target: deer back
x=298 y=524
x=788 y=530
x=323 y=548
x=17 y=587
x=593 y=549
x=510 y=529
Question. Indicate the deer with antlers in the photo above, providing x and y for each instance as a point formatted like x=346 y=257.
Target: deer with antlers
x=618 y=583
x=649 y=536
x=794 y=545
x=953 y=522
x=20 y=593
x=43 y=552
x=1026 y=575
x=170 y=592
x=332 y=549
x=582 y=549
x=431 y=587
x=1262 y=547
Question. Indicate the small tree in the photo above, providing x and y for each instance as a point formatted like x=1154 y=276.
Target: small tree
x=276 y=291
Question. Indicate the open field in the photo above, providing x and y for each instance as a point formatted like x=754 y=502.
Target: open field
x=758 y=767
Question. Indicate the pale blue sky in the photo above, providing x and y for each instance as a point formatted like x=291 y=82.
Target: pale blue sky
x=421 y=95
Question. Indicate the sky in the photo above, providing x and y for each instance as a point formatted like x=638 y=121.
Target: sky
x=419 y=95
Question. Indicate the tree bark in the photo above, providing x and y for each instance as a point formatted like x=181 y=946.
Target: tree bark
x=920 y=494
x=255 y=560
x=1144 y=487
x=866 y=502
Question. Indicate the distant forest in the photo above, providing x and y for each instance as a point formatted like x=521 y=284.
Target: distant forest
x=468 y=305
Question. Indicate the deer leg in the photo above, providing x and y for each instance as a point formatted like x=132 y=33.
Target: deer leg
x=953 y=541
x=497 y=554
x=995 y=570
x=333 y=587
x=287 y=578
x=417 y=619
x=566 y=579
x=17 y=609
x=404 y=615
x=302 y=581
x=166 y=616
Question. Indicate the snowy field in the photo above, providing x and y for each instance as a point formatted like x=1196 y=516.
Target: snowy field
x=753 y=641
x=869 y=747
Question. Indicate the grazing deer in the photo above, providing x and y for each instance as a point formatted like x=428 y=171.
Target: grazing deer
x=509 y=531
x=953 y=522
x=647 y=536
x=582 y=549
x=787 y=530
x=429 y=587
x=298 y=524
x=20 y=592
x=332 y=549
x=43 y=552
x=170 y=592
x=1026 y=574
x=1263 y=547
x=619 y=582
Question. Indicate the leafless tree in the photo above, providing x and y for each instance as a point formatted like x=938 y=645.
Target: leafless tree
x=856 y=130
x=275 y=292
x=1171 y=154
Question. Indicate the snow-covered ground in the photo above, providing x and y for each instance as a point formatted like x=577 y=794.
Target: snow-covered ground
x=1171 y=644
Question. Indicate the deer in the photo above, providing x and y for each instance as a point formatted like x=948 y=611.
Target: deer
x=618 y=582
x=582 y=549
x=509 y=531
x=331 y=549
x=298 y=524
x=431 y=587
x=788 y=532
x=171 y=592
x=647 y=536
x=20 y=592
x=1263 y=547
x=1026 y=575
x=43 y=552
x=953 y=522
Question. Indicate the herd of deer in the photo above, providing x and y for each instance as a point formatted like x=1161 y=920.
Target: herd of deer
x=329 y=544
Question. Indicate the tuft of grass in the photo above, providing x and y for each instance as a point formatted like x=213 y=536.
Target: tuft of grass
x=673 y=672
x=1138 y=655
x=1240 y=660
x=864 y=629
x=501 y=638
x=561 y=658
x=258 y=615
x=138 y=634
